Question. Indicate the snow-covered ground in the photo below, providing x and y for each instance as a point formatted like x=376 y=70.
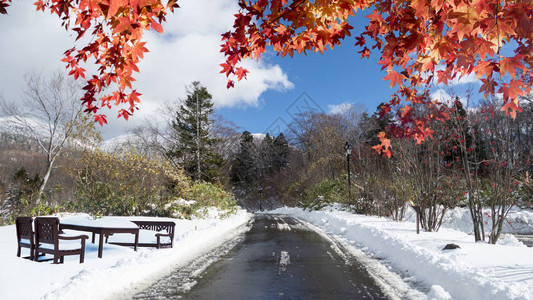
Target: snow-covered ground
x=121 y=272
x=518 y=221
x=475 y=271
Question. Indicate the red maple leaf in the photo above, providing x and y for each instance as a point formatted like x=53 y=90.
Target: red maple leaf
x=101 y=119
x=241 y=73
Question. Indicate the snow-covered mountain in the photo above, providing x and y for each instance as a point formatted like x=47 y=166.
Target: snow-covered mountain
x=11 y=126
x=258 y=136
x=117 y=142
x=15 y=130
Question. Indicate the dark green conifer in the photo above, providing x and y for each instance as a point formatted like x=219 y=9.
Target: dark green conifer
x=194 y=149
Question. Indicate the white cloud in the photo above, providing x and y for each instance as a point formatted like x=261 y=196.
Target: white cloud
x=340 y=109
x=443 y=97
x=31 y=41
x=458 y=80
x=470 y=78
x=189 y=50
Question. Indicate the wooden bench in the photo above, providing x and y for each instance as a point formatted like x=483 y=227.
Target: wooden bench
x=162 y=229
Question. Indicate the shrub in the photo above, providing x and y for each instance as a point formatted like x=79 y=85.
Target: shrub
x=525 y=193
x=22 y=199
x=126 y=184
x=210 y=195
x=324 y=193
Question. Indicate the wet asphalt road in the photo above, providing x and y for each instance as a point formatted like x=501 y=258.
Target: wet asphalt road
x=279 y=258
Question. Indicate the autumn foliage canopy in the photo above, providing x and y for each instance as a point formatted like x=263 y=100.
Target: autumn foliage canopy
x=420 y=42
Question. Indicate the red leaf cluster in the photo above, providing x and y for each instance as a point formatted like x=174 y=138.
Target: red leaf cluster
x=288 y=27
x=385 y=146
x=4 y=4
x=116 y=28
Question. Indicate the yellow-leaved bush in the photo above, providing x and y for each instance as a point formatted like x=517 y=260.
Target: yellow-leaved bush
x=126 y=183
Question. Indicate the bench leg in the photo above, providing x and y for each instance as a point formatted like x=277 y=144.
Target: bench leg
x=32 y=253
x=82 y=254
x=100 y=245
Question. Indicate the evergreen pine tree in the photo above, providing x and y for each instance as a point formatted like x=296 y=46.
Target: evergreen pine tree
x=266 y=156
x=244 y=171
x=280 y=151
x=373 y=125
x=194 y=150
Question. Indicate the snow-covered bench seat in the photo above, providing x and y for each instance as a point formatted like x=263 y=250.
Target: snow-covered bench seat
x=159 y=234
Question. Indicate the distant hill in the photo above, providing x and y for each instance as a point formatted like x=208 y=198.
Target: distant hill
x=13 y=132
x=259 y=136
x=10 y=126
x=117 y=142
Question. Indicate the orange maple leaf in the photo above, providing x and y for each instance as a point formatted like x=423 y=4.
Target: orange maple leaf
x=511 y=108
x=395 y=78
x=156 y=26
x=510 y=64
x=512 y=90
x=427 y=64
x=385 y=146
x=114 y=6
x=241 y=73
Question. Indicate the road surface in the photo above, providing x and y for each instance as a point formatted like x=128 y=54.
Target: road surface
x=279 y=258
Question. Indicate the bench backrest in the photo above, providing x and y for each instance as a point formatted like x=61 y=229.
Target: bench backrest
x=46 y=230
x=24 y=228
x=168 y=226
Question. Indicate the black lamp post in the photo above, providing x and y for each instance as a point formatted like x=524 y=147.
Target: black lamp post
x=348 y=151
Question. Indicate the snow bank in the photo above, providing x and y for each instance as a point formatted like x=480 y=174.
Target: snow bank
x=475 y=271
x=517 y=221
x=121 y=272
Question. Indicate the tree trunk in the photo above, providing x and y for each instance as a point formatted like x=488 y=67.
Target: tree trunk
x=44 y=181
x=198 y=166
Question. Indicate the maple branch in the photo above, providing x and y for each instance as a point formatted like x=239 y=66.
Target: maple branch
x=292 y=7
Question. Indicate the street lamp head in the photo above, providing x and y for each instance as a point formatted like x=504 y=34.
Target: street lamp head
x=347 y=149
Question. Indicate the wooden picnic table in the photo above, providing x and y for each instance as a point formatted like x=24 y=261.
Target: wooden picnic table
x=102 y=228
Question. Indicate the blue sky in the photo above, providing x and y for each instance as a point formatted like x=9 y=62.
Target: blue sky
x=338 y=76
x=190 y=51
